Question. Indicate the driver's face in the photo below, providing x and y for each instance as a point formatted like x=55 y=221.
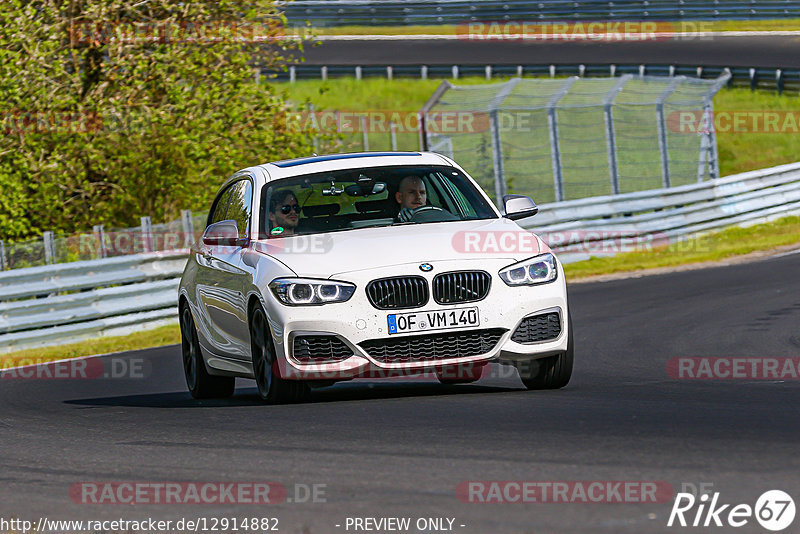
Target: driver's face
x=288 y=221
x=412 y=193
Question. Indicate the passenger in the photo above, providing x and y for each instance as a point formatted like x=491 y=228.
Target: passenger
x=284 y=213
x=411 y=195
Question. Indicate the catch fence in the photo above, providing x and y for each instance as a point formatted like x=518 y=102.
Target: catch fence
x=563 y=139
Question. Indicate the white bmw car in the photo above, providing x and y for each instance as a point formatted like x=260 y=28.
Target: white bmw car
x=327 y=268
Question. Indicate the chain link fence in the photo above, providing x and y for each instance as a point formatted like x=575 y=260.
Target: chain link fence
x=103 y=242
x=569 y=138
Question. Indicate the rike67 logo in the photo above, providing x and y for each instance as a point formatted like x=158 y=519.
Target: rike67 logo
x=774 y=510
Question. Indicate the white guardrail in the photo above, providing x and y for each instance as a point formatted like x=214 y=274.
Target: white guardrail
x=68 y=302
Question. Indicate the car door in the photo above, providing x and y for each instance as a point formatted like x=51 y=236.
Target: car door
x=221 y=282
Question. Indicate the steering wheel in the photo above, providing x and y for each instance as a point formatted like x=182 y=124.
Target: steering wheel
x=432 y=214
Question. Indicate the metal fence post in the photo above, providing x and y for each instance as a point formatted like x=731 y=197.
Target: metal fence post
x=661 y=124
x=555 y=148
x=314 y=139
x=364 y=135
x=49 y=247
x=100 y=235
x=497 y=147
x=422 y=115
x=708 y=143
x=393 y=134
x=147 y=234
x=2 y=255
x=497 y=158
x=611 y=143
x=188 y=228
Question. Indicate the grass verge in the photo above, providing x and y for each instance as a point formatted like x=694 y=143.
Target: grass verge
x=453 y=29
x=716 y=246
x=157 y=337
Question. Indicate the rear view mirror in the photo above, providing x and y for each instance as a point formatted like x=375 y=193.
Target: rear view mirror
x=365 y=189
x=519 y=206
x=223 y=233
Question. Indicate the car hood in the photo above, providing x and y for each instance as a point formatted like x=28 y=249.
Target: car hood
x=325 y=255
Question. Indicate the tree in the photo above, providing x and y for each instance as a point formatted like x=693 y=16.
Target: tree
x=114 y=109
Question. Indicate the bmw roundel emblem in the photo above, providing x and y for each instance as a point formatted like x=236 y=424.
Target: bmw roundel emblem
x=426 y=267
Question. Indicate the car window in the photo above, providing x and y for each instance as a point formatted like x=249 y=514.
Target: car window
x=372 y=196
x=239 y=206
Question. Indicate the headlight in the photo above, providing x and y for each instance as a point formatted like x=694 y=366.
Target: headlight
x=538 y=270
x=307 y=292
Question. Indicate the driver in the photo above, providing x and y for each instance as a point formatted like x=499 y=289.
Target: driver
x=411 y=196
x=284 y=213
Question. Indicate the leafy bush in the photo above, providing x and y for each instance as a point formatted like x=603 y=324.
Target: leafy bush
x=115 y=109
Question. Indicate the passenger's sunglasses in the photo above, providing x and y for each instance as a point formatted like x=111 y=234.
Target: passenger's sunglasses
x=287 y=208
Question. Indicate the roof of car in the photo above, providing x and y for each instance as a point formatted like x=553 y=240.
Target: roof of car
x=332 y=162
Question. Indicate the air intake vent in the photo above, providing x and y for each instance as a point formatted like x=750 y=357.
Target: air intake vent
x=538 y=328
x=461 y=286
x=320 y=349
x=398 y=293
x=431 y=347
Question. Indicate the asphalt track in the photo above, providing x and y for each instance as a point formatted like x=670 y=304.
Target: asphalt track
x=721 y=51
x=401 y=449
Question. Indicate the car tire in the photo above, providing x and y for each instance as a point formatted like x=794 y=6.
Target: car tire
x=550 y=373
x=201 y=384
x=272 y=389
x=458 y=374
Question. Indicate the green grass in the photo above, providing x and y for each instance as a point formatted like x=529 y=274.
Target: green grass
x=451 y=29
x=157 y=337
x=715 y=246
x=739 y=152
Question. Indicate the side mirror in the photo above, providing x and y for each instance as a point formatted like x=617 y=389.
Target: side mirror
x=223 y=233
x=519 y=206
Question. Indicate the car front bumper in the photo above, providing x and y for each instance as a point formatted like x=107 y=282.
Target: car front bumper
x=357 y=321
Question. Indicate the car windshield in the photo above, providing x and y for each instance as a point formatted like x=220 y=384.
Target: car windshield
x=368 y=197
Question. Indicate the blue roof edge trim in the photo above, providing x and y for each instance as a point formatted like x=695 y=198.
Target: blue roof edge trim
x=333 y=157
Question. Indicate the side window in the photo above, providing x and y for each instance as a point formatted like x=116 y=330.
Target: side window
x=464 y=204
x=220 y=206
x=239 y=206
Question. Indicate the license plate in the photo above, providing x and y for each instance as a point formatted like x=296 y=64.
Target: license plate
x=402 y=323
